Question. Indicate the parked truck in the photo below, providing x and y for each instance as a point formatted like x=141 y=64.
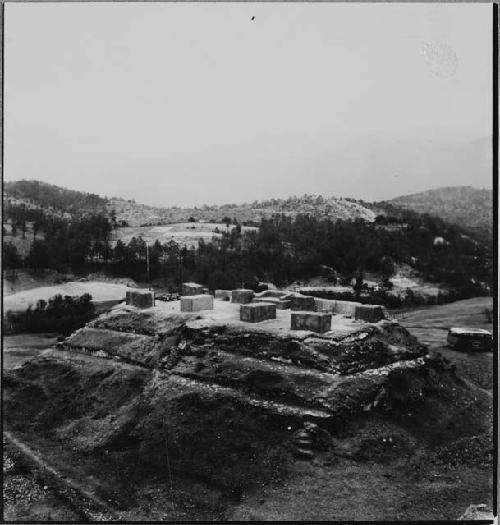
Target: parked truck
x=469 y=339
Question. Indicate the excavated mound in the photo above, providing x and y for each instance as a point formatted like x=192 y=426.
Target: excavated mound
x=217 y=403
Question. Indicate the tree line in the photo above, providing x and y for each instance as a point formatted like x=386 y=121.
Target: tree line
x=58 y=314
x=283 y=250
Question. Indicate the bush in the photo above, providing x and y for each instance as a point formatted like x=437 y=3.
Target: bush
x=59 y=314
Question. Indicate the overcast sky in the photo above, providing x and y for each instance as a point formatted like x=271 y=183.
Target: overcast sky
x=187 y=103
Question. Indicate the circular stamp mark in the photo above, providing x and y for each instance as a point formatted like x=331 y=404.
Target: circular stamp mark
x=440 y=58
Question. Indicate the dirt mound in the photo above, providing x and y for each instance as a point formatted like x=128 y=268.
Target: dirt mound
x=149 y=322
x=153 y=397
x=49 y=392
x=132 y=348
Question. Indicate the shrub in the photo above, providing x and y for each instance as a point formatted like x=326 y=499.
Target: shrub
x=58 y=314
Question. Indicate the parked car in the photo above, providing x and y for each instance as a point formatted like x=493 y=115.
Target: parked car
x=466 y=339
x=168 y=297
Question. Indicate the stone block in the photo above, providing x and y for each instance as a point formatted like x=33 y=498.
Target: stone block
x=281 y=304
x=301 y=302
x=242 y=296
x=140 y=298
x=347 y=308
x=223 y=295
x=370 y=313
x=324 y=305
x=257 y=312
x=195 y=303
x=192 y=289
x=319 y=322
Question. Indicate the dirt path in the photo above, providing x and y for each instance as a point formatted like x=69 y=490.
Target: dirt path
x=89 y=506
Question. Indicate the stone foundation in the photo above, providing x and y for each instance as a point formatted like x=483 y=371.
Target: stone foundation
x=195 y=303
x=281 y=304
x=223 y=295
x=192 y=289
x=140 y=298
x=256 y=312
x=242 y=296
x=272 y=293
x=319 y=322
x=370 y=313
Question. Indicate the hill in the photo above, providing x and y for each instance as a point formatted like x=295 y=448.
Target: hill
x=63 y=202
x=471 y=208
x=158 y=415
x=135 y=214
x=53 y=199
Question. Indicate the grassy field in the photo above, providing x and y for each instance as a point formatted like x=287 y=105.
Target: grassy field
x=185 y=233
x=431 y=324
x=17 y=349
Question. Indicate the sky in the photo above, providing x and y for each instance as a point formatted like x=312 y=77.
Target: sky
x=191 y=103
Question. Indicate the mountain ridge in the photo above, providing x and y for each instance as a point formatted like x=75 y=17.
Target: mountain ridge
x=466 y=206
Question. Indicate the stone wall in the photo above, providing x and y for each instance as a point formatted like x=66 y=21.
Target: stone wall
x=281 y=304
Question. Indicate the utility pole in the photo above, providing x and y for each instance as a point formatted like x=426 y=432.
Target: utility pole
x=147 y=265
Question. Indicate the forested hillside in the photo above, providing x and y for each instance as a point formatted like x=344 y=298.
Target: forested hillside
x=282 y=250
x=37 y=194
x=61 y=201
x=469 y=207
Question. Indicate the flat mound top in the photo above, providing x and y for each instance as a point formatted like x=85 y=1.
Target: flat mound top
x=228 y=314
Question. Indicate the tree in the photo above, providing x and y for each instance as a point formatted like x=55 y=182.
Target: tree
x=38 y=257
x=10 y=256
x=358 y=285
